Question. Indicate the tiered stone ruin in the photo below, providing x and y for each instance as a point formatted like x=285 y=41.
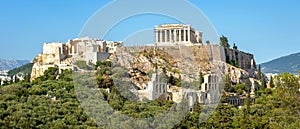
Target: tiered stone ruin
x=64 y=56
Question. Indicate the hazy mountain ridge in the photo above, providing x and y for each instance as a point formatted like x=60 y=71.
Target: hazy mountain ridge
x=11 y=64
x=290 y=64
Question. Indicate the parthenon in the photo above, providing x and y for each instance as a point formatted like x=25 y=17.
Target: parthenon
x=181 y=34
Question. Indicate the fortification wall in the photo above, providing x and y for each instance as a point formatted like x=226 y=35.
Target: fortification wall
x=245 y=60
x=219 y=53
x=216 y=52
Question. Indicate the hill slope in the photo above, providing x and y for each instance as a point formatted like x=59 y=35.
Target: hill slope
x=25 y=69
x=290 y=64
x=10 y=64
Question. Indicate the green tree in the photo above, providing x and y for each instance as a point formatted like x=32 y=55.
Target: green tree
x=81 y=64
x=235 y=47
x=272 y=85
x=103 y=64
x=287 y=80
x=227 y=85
x=224 y=41
x=259 y=73
x=263 y=84
x=247 y=86
x=51 y=73
x=234 y=63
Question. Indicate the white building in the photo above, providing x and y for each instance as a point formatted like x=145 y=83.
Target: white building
x=4 y=77
x=154 y=89
x=208 y=94
x=113 y=46
x=210 y=88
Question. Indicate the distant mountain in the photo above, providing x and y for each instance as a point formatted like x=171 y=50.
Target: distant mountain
x=290 y=64
x=11 y=64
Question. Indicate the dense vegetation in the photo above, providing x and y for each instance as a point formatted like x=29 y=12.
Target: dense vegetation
x=50 y=101
x=274 y=108
x=25 y=69
x=45 y=103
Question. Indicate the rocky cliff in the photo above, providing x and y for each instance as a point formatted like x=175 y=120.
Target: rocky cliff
x=184 y=62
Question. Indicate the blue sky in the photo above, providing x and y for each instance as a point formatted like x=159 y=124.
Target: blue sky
x=266 y=28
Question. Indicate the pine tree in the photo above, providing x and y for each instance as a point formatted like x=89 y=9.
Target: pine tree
x=227 y=85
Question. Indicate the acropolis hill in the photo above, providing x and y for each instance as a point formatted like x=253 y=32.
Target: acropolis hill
x=178 y=51
x=169 y=35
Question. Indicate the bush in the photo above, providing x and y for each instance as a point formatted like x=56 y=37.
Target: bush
x=81 y=64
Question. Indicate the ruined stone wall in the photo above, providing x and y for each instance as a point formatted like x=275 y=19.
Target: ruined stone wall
x=219 y=53
x=93 y=57
x=59 y=54
x=52 y=48
x=245 y=60
x=215 y=52
x=39 y=69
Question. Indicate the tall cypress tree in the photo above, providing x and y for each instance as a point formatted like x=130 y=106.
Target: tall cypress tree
x=263 y=84
x=272 y=85
x=259 y=72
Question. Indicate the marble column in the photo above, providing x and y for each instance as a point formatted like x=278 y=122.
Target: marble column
x=189 y=34
x=166 y=36
x=184 y=36
x=175 y=35
x=180 y=35
x=160 y=35
x=156 y=38
x=170 y=35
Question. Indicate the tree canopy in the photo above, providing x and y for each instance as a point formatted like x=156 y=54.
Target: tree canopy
x=224 y=41
x=50 y=101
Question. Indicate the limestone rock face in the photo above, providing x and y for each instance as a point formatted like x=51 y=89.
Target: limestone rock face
x=237 y=75
x=244 y=60
x=183 y=62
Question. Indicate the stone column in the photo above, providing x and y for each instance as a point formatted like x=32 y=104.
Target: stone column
x=160 y=35
x=180 y=35
x=184 y=36
x=170 y=36
x=189 y=34
x=175 y=35
x=156 y=38
x=166 y=36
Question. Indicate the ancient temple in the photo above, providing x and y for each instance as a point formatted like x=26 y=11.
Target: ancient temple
x=177 y=34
